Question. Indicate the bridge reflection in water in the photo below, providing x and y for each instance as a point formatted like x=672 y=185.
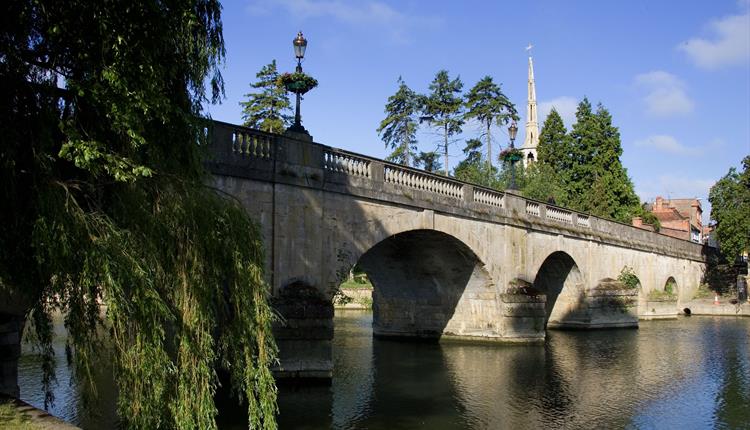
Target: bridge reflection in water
x=688 y=373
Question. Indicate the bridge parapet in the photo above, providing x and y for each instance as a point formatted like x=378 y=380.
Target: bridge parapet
x=247 y=153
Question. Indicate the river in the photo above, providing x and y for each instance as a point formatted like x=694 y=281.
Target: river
x=689 y=373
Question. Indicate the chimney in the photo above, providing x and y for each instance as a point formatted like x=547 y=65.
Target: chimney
x=658 y=204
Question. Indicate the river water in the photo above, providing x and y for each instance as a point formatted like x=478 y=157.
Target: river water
x=690 y=373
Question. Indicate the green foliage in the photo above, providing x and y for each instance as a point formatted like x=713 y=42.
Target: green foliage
x=510 y=155
x=661 y=295
x=474 y=169
x=703 y=292
x=297 y=82
x=580 y=177
x=106 y=202
x=555 y=156
x=504 y=178
x=670 y=287
x=429 y=161
x=730 y=206
x=597 y=182
x=366 y=302
x=541 y=182
x=444 y=106
x=269 y=108
x=649 y=218
x=486 y=103
x=628 y=278
x=398 y=129
x=12 y=417
x=554 y=143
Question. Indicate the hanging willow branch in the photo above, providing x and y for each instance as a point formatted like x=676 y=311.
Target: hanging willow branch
x=179 y=271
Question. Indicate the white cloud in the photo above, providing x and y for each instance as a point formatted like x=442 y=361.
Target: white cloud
x=370 y=13
x=665 y=94
x=729 y=44
x=565 y=106
x=676 y=187
x=668 y=144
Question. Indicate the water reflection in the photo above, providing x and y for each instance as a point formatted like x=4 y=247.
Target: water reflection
x=68 y=392
x=686 y=373
x=691 y=373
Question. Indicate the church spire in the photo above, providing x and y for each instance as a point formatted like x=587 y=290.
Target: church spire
x=532 y=125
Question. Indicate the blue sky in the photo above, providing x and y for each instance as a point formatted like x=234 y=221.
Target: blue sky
x=675 y=75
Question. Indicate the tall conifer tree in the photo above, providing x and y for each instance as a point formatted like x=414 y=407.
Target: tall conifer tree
x=444 y=105
x=554 y=143
x=597 y=182
x=487 y=104
x=554 y=160
x=269 y=109
x=617 y=199
x=583 y=144
x=398 y=129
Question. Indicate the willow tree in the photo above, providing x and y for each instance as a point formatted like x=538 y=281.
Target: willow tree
x=105 y=202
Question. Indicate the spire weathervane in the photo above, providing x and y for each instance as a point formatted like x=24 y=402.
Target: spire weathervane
x=528 y=49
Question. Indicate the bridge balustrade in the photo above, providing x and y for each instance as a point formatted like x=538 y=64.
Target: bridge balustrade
x=487 y=197
x=412 y=178
x=251 y=143
x=346 y=163
x=533 y=209
x=560 y=215
x=263 y=150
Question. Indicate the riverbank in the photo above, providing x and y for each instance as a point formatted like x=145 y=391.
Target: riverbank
x=723 y=308
x=19 y=415
x=354 y=298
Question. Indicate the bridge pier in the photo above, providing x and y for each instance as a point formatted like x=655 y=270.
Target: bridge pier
x=304 y=333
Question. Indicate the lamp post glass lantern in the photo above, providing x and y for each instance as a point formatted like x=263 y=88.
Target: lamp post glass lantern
x=300 y=45
x=512 y=130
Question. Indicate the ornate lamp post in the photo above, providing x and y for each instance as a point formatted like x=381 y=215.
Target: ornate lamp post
x=512 y=130
x=300 y=45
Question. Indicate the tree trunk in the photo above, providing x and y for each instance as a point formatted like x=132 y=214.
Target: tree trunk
x=11 y=329
x=445 y=148
x=406 y=150
x=489 y=147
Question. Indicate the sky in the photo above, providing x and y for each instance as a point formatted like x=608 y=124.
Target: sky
x=675 y=75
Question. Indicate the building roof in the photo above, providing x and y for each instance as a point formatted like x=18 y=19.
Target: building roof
x=671 y=215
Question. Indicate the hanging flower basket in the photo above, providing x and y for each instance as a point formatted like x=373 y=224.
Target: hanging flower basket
x=297 y=82
x=511 y=155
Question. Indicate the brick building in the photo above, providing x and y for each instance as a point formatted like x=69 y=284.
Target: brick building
x=680 y=218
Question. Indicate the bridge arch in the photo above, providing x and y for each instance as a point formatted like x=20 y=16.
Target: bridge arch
x=560 y=278
x=429 y=284
x=671 y=286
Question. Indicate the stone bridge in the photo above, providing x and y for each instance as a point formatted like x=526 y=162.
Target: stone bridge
x=448 y=259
